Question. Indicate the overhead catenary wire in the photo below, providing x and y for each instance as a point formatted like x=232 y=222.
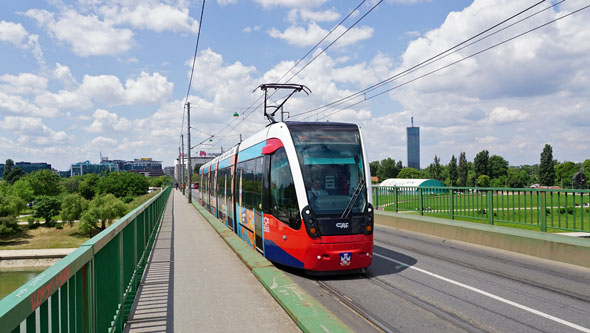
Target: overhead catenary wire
x=458 y=61
x=249 y=108
x=381 y=83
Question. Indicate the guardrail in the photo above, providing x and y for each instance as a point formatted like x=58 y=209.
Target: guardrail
x=561 y=210
x=93 y=288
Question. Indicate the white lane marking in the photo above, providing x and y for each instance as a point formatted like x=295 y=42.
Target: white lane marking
x=498 y=298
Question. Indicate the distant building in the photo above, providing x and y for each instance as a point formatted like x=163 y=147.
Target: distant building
x=413 y=135
x=146 y=166
x=28 y=167
x=83 y=168
x=169 y=171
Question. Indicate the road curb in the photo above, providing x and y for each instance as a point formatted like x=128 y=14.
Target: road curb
x=309 y=314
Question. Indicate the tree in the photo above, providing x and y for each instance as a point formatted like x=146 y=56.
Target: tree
x=45 y=182
x=498 y=166
x=462 y=170
x=22 y=189
x=123 y=184
x=453 y=172
x=435 y=169
x=518 y=177
x=72 y=185
x=10 y=205
x=88 y=186
x=72 y=207
x=104 y=209
x=410 y=173
x=483 y=181
x=565 y=171
x=374 y=166
x=481 y=164
x=13 y=174
x=546 y=168
x=46 y=207
x=387 y=169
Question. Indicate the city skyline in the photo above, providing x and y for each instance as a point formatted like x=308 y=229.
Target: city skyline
x=80 y=78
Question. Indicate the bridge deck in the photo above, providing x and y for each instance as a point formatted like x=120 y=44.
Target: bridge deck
x=194 y=282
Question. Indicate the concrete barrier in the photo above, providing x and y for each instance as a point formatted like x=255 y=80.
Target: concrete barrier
x=539 y=244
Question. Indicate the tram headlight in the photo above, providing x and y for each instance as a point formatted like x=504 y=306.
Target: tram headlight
x=369 y=220
x=309 y=221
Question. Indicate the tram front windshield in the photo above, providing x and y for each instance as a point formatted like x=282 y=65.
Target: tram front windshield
x=331 y=160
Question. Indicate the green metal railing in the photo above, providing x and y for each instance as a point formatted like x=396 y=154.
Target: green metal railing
x=561 y=210
x=93 y=288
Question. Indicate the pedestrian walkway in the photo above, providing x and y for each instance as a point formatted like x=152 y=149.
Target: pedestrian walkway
x=203 y=288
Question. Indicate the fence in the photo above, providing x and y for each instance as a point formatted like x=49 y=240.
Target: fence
x=93 y=288
x=556 y=210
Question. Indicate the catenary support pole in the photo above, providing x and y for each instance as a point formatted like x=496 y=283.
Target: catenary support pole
x=190 y=171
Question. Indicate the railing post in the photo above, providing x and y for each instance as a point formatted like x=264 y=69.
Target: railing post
x=395 y=200
x=543 y=212
x=490 y=205
x=420 y=203
x=452 y=205
x=377 y=197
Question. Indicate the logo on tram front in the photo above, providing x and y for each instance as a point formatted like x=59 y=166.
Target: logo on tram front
x=342 y=225
x=345 y=258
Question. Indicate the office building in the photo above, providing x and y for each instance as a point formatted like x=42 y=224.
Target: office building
x=413 y=139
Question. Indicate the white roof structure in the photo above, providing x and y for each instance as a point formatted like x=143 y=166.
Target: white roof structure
x=409 y=182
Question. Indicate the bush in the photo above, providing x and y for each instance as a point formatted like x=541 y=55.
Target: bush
x=8 y=226
x=72 y=207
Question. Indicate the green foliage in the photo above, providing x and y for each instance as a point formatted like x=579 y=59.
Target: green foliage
x=518 y=178
x=123 y=184
x=483 y=181
x=22 y=189
x=565 y=171
x=374 y=166
x=462 y=170
x=72 y=207
x=46 y=207
x=10 y=205
x=45 y=182
x=103 y=209
x=13 y=174
x=498 y=166
x=453 y=171
x=410 y=173
x=481 y=163
x=161 y=181
x=8 y=226
x=435 y=170
x=72 y=185
x=87 y=186
x=388 y=168
x=547 y=169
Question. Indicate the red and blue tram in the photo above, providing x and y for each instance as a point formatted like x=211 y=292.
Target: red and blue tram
x=298 y=192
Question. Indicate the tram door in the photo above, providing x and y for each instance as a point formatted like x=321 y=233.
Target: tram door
x=259 y=176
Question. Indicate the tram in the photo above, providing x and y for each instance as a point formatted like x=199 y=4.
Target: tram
x=298 y=192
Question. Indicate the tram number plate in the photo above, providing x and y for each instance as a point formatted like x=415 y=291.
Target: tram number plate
x=345 y=258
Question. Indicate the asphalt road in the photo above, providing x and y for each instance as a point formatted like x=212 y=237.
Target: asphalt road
x=420 y=283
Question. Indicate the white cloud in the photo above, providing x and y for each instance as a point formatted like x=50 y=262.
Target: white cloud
x=23 y=83
x=227 y=2
x=267 y=4
x=88 y=35
x=18 y=105
x=502 y=116
x=64 y=99
x=315 y=16
x=109 y=90
x=64 y=74
x=32 y=129
x=152 y=16
x=302 y=37
x=17 y=35
x=105 y=121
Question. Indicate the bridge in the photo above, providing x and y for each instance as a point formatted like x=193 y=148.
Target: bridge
x=171 y=266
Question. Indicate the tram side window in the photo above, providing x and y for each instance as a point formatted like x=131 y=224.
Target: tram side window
x=252 y=183
x=282 y=188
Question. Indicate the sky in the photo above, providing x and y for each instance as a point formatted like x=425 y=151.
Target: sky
x=81 y=79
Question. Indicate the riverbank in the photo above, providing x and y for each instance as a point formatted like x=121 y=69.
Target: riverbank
x=13 y=260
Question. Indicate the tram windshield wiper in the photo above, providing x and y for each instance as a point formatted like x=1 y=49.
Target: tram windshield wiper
x=355 y=196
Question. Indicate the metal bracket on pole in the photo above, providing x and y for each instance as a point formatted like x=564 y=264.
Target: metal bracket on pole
x=294 y=87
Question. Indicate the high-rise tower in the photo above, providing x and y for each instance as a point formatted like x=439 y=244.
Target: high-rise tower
x=413 y=146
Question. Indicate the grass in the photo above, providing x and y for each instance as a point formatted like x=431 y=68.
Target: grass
x=52 y=238
x=44 y=238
